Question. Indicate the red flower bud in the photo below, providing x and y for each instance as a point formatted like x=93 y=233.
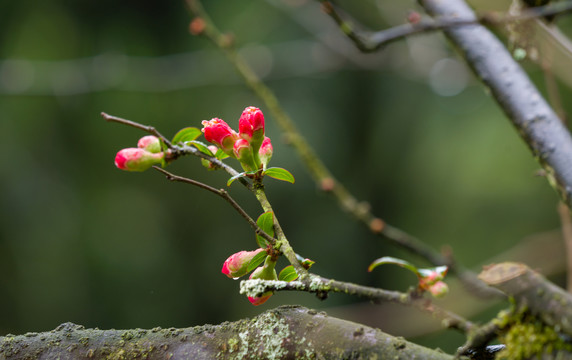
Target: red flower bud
x=150 y=143
x=237 y=264
x=135 y=159
x=251 y=126
x=219 y=133
x=265 y=152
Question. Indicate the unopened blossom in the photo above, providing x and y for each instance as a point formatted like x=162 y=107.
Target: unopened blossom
x=150 y=143
x=251 y=126
x=438 y=289
x=218 y=132
x=265 y=152
x=237 y=264
x=136 y=159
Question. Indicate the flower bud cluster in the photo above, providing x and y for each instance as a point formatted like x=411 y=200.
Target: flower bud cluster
x=249 y=145
x=434 y=284
x=146 y=154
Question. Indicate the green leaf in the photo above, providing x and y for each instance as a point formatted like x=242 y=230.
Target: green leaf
x=394 y=261
x=256 y=260
x=288 y=274
x=186 y=134
x=280 y=174
x=266 y=223
x=202 y=147
x=221 y=155
x=232 y=179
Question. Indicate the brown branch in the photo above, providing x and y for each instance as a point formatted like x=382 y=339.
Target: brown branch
x=150 y=129
x=373 y=41
x=222 y=193
x=288 y=332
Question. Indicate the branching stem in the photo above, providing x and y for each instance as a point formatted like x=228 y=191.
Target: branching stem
x=373 y=41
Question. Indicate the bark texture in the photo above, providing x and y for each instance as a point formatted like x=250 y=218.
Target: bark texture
x=545 y=300
x=288 y=332
x=537 y=123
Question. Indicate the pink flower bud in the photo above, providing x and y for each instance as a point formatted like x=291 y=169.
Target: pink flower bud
x=135 y=159
x=219 y=133
x=439 y=289
x=265 y=152
x=266 y=272
x=150 y=143
x=251 y=126
x=237 y=264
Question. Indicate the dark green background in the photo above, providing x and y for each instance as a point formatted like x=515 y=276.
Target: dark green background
x=84 y=242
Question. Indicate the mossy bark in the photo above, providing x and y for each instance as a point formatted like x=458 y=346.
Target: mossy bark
x=550 y=303
x=289 y=332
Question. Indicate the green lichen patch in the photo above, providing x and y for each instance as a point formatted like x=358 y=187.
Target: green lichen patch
x=527 y=337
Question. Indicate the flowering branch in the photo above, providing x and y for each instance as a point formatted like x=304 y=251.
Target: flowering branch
x=203 y=25
x=322 y=286
x=373 y=41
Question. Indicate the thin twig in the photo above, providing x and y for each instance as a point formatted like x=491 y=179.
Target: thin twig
x=373 y=41
x=317 y=169
x=225 y=195
x=150 y=129
x=322 y=286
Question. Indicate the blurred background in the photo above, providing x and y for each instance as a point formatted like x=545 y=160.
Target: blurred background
x=408 y=129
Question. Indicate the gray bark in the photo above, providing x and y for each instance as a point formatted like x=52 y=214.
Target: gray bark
x=288 y=332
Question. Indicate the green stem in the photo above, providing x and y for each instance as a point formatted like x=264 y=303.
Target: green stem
x=282 y=244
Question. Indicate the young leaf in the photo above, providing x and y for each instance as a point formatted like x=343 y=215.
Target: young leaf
x=186 y=134
x=256 y=260
x=202 y=147
x=280 y=174
x=231 y=180
x=288 y=274
x=266 y=223
x=394 y=261
x=221 y=155
x=307 y=263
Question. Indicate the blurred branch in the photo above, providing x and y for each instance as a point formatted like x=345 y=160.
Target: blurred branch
x=284 y=332
x=537 y=123
x=566 y=225
x=373 y=41
x=203 y=25
x=322 y=286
